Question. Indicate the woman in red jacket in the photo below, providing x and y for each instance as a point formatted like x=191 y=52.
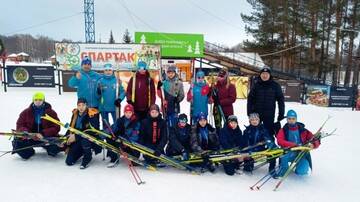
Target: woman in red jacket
x=291 y=135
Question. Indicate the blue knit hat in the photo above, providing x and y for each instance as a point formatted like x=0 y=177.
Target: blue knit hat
x=291 y=114
x=200 y=74
x=86 y=61
x=201 y=116
x=142 y=65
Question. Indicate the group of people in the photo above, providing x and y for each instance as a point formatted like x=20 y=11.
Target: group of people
x=166 y=129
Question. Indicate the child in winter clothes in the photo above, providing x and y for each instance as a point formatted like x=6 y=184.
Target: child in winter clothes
x=179 y=138
x=199 y=94
x=128 y=127
x=111 y=93
x=254 y=134
x=153 y=132
x=230 y=137
x=81 y=119
x=295 y=134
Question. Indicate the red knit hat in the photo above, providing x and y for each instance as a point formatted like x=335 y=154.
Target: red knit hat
x=128 y=108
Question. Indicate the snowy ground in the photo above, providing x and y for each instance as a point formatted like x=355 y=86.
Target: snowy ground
x=43 y=178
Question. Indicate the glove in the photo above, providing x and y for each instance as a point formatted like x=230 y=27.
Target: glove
x=130 y=102
x=159 y=85
x=98 y=90
x=184 y=156
x=280 y=118
x=117 y=102
x=157 y=152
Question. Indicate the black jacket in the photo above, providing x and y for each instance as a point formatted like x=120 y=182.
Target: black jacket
x=255 y=134
x=156 y=140
x=179 y=138
x=263 y=97
x=230 y=138
x=198 y=144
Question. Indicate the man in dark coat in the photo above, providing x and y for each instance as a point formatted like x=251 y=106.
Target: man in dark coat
x=262 y=99
x=30 y=121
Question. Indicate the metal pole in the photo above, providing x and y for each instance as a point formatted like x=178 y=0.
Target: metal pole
x=4 y=72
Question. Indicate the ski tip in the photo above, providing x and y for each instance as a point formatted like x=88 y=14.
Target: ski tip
x=251 y=188
x=257 y=188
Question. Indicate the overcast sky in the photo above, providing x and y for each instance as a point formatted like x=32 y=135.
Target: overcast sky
x=219 y=21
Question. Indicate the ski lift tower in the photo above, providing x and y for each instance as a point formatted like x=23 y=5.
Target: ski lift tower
x=89 y=21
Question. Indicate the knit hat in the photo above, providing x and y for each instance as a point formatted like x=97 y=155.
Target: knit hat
x=200 y=74
x=232 y=118
x=265 y=69
x=81 y=100
x=201 y=116
x=86 y=61
x=172 y=68
x=254 y=116
x=291 y=114
x=142 y=65
x=39 y=96
x=128 y=108
x=108 y=66
x=183 y=118
x=222 y=73
x=154 y=107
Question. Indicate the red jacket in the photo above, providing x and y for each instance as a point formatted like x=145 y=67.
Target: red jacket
x=26 y=121
x=227 y=96
x=305 y=135
x=142 y=93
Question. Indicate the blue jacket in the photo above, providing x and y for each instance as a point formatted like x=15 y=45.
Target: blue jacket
x=126 y=128
x=106 y=90
x=255 y=134
x=200 y=98
x=86 y=86
x=230 y=138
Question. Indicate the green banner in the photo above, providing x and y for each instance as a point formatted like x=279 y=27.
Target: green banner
x=173 y=44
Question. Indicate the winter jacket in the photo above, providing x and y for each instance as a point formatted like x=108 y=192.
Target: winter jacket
x=174 y=94
x=26 y=121
x=144 y=92
x=305 y=135
x=127 y=128
x=88 y=119
x=106 y=90
x=226 y=96
x=230 y=138
x=263 y=97
x=153 y=133
x=199 y=143
x=86 y=87
x=255 y=134
x=179 y=138
x=199 y=96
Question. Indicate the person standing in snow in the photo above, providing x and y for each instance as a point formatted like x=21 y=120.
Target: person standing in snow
x=294 y=134
x=199 y=96
x=174 y=94
x=30 y=121
x=262 y=99
x=85 y=81
x=224 y=95
x=111 y=93
x=140 y=92
x=82 y=118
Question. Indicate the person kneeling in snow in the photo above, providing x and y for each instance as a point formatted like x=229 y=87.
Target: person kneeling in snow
x=128 y=127
x=179 y=138
x=153 y=132
x=204 y=137
x=30 y=121
x=230 y=137
x=291 y=135
x=81 y=119
x=255 y=133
